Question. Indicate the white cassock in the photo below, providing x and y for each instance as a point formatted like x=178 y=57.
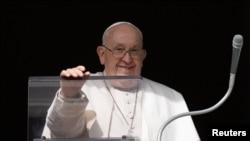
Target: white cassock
x=104 y=111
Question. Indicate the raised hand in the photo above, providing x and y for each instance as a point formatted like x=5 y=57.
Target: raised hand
x=72 y=81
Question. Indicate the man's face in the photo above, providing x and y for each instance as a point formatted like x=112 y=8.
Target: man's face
x=128 y=39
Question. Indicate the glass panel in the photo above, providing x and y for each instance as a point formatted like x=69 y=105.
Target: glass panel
x=42 y=91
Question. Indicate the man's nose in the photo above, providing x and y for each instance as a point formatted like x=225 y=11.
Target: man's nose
x=127 y=57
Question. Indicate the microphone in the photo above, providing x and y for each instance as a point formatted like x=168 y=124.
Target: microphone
x=237 y=45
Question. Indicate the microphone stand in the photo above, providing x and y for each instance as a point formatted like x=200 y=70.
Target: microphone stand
x=199 y=112
x=237 y=44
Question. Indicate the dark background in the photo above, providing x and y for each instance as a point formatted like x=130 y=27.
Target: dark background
x=189 y=46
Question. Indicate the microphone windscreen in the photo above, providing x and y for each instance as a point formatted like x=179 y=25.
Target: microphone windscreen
x=237 y=41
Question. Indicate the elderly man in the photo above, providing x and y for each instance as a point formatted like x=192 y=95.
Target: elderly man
x=105 y=108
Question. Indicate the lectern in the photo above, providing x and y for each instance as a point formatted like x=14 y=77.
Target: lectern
x=41 y=92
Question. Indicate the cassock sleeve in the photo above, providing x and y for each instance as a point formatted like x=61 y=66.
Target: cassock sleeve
x=65 y=117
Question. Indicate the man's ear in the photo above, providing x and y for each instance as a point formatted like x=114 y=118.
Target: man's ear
x=144 y=54
x=100 y=52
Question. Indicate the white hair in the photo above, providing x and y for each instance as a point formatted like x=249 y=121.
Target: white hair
x=120 y=23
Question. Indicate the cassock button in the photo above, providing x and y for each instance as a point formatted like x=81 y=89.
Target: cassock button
x=130 y=115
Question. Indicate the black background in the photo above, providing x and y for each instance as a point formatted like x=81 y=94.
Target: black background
x=189 y=46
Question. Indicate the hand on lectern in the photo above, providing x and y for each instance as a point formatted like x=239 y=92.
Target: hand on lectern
x=72 y=82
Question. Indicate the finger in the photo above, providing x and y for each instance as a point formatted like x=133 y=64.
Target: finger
x=81 y=68
x=79 y=73
x=87 y=73
x=64 y=73
x=74 y=72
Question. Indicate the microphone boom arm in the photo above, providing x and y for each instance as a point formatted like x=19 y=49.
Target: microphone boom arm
x=200 y=112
